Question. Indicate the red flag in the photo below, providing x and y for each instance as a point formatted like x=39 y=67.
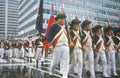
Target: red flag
x=51 y=20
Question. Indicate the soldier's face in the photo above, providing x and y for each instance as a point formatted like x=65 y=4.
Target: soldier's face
x=39 y=36
x=61 y=21
x=30 y=38
x=109 y=32
x=87 y=28
x=76 y=27
x=99 y=31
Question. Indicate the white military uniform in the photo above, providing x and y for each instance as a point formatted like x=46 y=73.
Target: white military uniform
x=77 y=59
x=111 y=56
x=39 y=50
x=30 y=50
x=61 y=54
x=22 y=52
x=88 y=54
x=16 y=50
x=102 y=56
x=7 y=48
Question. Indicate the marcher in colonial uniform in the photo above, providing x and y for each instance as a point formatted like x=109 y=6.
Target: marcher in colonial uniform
x=117 y=43
x=58 y=41
x=39 y=48
x=88 y=58
x=6 y=47
x=109 y=44
x=77 y=54
x=22 y=49
x=99 y=49
x=16 y=49
x=10 y=49
x=30 y=48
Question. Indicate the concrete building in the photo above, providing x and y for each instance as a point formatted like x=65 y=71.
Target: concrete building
x=8 y=19
x=95 y=10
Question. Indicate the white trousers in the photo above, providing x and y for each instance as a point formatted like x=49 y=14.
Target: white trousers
x=9 y=52
x=1 y=52
x=111 y=61
x=77 y=61
x=38 y=54
x=61 y=54
x=16 y=53
x=89 y=57
x=30 y=52
x=102 y=56
x=22 y=52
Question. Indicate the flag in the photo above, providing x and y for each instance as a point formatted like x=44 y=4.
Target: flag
x=51 y=20
x=66 y=23
x=39 y=21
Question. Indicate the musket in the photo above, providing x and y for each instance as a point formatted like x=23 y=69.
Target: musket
x=66 y=25
x=76 y=17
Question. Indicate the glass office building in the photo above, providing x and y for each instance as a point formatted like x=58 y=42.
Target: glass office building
x=27 y=17
x=95 y=10
x=8 y=19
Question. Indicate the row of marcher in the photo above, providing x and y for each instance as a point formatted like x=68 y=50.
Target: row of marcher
x=83 y=48
x=80 y=49
x=21 y=48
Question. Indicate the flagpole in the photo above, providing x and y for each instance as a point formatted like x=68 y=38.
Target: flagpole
x=51 y=19
x=80 y=29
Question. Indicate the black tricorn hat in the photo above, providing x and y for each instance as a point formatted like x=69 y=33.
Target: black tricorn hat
x=39 y=34
x=108 y=28
x=86 y=22
x=96 y=28
x=74 y=22
x=30 y=37
x=60 y=16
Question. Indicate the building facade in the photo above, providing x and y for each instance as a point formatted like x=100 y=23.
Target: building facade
x=27 y=17
x=8 y=19
x=94 y=10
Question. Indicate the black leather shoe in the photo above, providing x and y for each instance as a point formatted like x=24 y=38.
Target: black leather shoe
x=42 y=63
x=116 y=76
x=75 y=74
x=60 y=74
x=106 y=77
x=88 y=73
